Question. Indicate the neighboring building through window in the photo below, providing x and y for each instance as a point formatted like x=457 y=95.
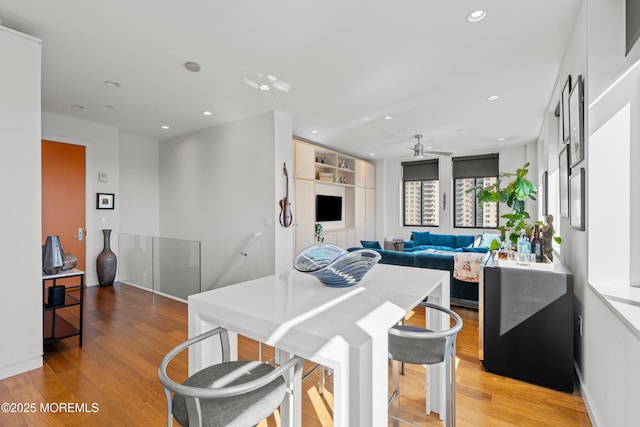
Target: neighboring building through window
x=421 y=193
x=469 y=172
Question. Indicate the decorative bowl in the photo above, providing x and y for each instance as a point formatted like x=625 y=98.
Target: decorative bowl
x=334 y=266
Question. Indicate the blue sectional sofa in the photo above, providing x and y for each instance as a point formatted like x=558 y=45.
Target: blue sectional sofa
x=420 y=251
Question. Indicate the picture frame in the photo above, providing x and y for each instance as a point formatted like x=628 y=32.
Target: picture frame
x=105 y=200
x=576 y=121
x=564 y=110
x=563 y=171
x=576 y=192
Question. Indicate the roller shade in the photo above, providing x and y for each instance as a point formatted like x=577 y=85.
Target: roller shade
x=476 y=166
x=422 y=170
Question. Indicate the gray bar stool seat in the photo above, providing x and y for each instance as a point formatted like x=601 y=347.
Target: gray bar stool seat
x=420 y=346
x=237 y=393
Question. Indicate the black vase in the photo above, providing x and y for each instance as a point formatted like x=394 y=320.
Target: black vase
x=106 y=262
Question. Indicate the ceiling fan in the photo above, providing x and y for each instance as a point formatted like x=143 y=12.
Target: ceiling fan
x=419 y=151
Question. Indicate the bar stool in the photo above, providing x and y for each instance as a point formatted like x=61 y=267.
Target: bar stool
x=237 y=393
x=420 y=346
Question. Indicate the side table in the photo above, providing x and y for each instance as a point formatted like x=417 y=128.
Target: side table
x=58 y=322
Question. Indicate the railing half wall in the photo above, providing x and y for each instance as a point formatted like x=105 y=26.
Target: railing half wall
x=171 y=267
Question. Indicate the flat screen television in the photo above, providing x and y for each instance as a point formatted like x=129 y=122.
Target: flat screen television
x=328 y=208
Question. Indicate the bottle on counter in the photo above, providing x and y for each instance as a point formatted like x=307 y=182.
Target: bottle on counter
x=524 y=245
x=536 y=243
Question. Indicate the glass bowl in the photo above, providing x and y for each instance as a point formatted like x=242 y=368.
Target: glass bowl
x=334 y=266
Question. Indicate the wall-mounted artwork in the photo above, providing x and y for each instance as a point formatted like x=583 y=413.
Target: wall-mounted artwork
x=563 y=170
x=564 y=110
x=105 y=200
x=577 y=200
x=576 y=121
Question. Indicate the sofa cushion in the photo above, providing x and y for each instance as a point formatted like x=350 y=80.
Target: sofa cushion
x=370 y=244
x=463 y=241
x=421 y=237
x=443 y=240
x=433 y=248
x=478 y=250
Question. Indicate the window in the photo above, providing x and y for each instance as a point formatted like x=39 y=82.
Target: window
x=421 y=194
x=469 y=172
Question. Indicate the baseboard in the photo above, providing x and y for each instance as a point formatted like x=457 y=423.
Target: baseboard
x=585 y=397
x=20 y=367
x=463 y=303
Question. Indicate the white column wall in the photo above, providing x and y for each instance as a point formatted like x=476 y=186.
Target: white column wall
x=217 y=186
x=20 y=223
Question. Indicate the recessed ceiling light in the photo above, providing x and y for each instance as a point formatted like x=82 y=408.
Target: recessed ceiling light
x=111 y=84
x=192 y=66
x=493 y=98
x=265 y=87
x=110 y=107
x=165 y=127
x=500 y=139
x=207 y=113
x=476 y=16
x=388 y=117
x=77 y=106
x=372 y=154
x=429 y=148
x=314 y=131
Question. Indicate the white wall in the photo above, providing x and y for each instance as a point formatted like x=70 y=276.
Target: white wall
x=218 y=186
x=284 y=249
x=139 y=191
x=102 y=155
x=607 y=352
x=389 y=194
x=20 y=223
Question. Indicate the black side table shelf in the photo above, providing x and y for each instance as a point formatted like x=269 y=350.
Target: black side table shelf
x=55 y=326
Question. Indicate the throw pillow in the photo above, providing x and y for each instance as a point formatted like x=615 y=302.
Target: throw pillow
x=421 y=237
x=370 y=244
x=477 y=240
x=487 y=239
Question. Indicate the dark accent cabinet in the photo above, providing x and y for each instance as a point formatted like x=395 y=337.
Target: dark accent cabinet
x=526 y=324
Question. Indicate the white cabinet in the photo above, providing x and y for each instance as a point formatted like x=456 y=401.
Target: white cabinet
x=304 y=160
x=370 y=214
x=319 y=170
x=304 y=214
x=360 y=212
x=370 y=175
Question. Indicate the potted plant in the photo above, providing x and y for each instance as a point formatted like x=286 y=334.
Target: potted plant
x=514 y=195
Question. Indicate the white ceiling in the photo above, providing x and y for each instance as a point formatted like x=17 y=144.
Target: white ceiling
x=347 y=65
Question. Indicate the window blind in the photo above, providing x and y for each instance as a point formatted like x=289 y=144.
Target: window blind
x=422 y=170
x=476 y=166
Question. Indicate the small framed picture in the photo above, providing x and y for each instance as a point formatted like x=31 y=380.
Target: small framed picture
x=576 y=120
x=105 y=200
x=563 y=159
x=564 y=110
x=576 y=193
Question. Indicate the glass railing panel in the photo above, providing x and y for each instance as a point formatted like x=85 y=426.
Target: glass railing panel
x=162 y=265
x=178 y=269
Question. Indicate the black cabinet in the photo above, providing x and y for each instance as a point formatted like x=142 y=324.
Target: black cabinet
x=63 y=306
x=527 y=324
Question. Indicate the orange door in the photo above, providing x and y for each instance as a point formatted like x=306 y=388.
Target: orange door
x=63 y=177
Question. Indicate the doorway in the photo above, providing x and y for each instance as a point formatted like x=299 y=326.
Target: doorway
x=63 y=196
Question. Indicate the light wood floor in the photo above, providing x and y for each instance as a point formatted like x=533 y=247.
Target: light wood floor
x=128 y=331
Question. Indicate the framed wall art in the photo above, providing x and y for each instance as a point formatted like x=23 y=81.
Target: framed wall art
x=564 y=110
x=576 y=193
x=576 y=122
x=563 y=171
x=105 y=200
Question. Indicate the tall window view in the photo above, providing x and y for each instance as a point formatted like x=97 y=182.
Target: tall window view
x=421 y=201
x=470 y=213
x=469 y=172
x=421 y=193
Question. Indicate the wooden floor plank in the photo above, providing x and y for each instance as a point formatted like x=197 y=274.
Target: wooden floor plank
x=128 y=331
